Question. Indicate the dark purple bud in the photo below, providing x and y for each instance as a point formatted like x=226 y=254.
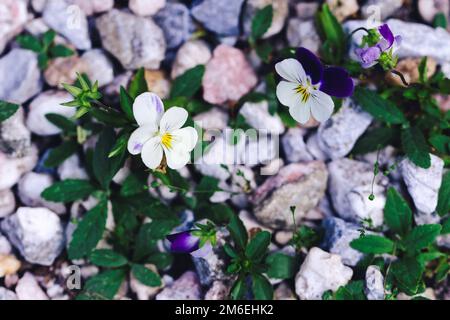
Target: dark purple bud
x=311 y=64
x=388 y=36
x=183 y=242
x=337 y=82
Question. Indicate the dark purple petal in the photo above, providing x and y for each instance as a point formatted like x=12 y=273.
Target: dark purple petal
x=337 y=82
x=387 y=34
x=183 y=242
x=312 y=65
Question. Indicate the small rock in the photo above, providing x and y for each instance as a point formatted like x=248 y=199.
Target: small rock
x=11 y=169
x=8 y=265
x=5 y=246
x=190 y=54
x=280 y=12
x=48 y=102
x=64 y=70
x=338 y=235
x=20 y=74
x=30 y=187
x=294 y=147
x=312 y=146
x=71 y=169
x=28 y=288
x=218 y=291
x=98 y=67
x=350 y=186
x=176 y=23
x=299 y=184
x=135 y=41
x=409 y=67
x=342 y=9
x=186 y=287
x=38 y=5
x=302 y=33
x=14 y=16
x=228 y=76
x=158 y=82
x=219 y=16
x=6 y=294
x=257 y=116
x=15 y=138
x=337 y=136
x=306 y=10
x=385 y=8
x=428 y=9
x=145 y=7
x=90 y=7
x=142 y=291
x=211 y=120
x=283 y=292
x=320 y=272
x=68 y=20
x=374 y=289
x=423 y=184
x=37 y=233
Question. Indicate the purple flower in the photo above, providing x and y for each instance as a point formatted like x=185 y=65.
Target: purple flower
x=183 y=242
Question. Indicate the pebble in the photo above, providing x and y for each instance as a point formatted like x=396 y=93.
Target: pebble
x=176 y=23
x=428 y=9
x=15 y=138
x=306 y=10
x=145 y=7
x=28 y=288
x=158 y=82
x=219 y=16
x=30 y=187
x=257 y=116
x=71 y=169
x=91 y=7
x=337 y=136
x=98 y=67
x=381 y=9
x=409 y=67
x=11 y=169
x=303 y=33
x=320 y=272
x=68 y=20
x=283 y=292
x=294 y=146
x=218 y=291
x=14 y=16
x=192 y=53
x=64 y=70
x=342 y=9
x=142 y=291
x=5 y=246
x=228 y=76
x=350 y=186
x=6 y=294
x=423 y=184
x=48 y=102
x=9 y=265
x=186 y=287
x=374 y=288
x=280 y=13
x=37 y=233
x=299 y=184
x=135 y=41
x=20 y=74
x=211 y=120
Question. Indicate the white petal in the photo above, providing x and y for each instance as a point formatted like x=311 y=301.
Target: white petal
x=152 y=153
x=321 y=105
x=186 y=137
x=173 y=119
x=139 y=137
x=286 y=93
x=148 y=109
x=301 y=112
x=291 y=70
x=177 y=158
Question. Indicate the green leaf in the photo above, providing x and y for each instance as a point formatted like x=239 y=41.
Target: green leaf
x=89 y=231
x=239 y=289
x=380 y=108
x=107 y=258
x=443 y=206
x=29 y=42
x=257 y=247
x=188 y=83
x=103 y=286
x=7 y=110
x=421 y=237
x=440 y=20
x=397 y=213
x=63 y=123
x=354 y=290
x=138 y=85
x=126 y=103
x=110 y=118
x=238 y=232
x=261 y=287
x=57 y=155
x=120 y=147
x=415 y=147
x=423 y=78
x=68 y=190
x=332 y=33
x=408 y=274
x=262 y=21
x=146 y=276
x=104 y=167
x=60 y=50
x=446 y=226
x=133 y=185
x=42 y=60
x=440 y=142
x=48 y=38
x=374 y=139
x=161 y=260
x=264 y=50
x=281 y=266
x=372 y=244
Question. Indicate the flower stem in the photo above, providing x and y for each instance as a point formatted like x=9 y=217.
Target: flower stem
x=356 y=30
x=402 y=77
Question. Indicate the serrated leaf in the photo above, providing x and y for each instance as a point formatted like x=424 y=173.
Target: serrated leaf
x=372 y=244
x=107 y=258
x=68 y=190
x=59 y=154
x=261 y=287
x=257 y=247
x=443 y=206
x=188 y=83
x=7 y=110
x=421 y=237
x=397 y=213
x=415 y=147
x=146 y=276
x=103 y=286
x=138 y=85
x=262 y=21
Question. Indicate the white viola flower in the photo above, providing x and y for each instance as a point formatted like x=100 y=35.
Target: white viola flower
x=160 y=133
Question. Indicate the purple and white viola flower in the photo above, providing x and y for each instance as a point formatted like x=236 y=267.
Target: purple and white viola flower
x=186 y=242
x=309 y=86
x=160 y=133
x=379 y=46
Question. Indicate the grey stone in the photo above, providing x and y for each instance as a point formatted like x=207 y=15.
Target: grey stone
x=11 y=169
x=257 y=116
x=6 y=294
x=37 y=233
x=301 y=33
x=186 y=287
x=15 y=138
x=135 y=41
x=14 y=16
x=280 y=13
x=294 y=146
x=5 y=246
x=374 y=289
x=98 y=67
x=385 y=8
x=20 y=74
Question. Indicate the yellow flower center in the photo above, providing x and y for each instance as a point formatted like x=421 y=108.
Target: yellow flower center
x=166 y=140
x=304 y=92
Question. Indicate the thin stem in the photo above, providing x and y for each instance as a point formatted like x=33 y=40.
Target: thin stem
x=104 y=106
x=356 y=30
x=402 y=77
